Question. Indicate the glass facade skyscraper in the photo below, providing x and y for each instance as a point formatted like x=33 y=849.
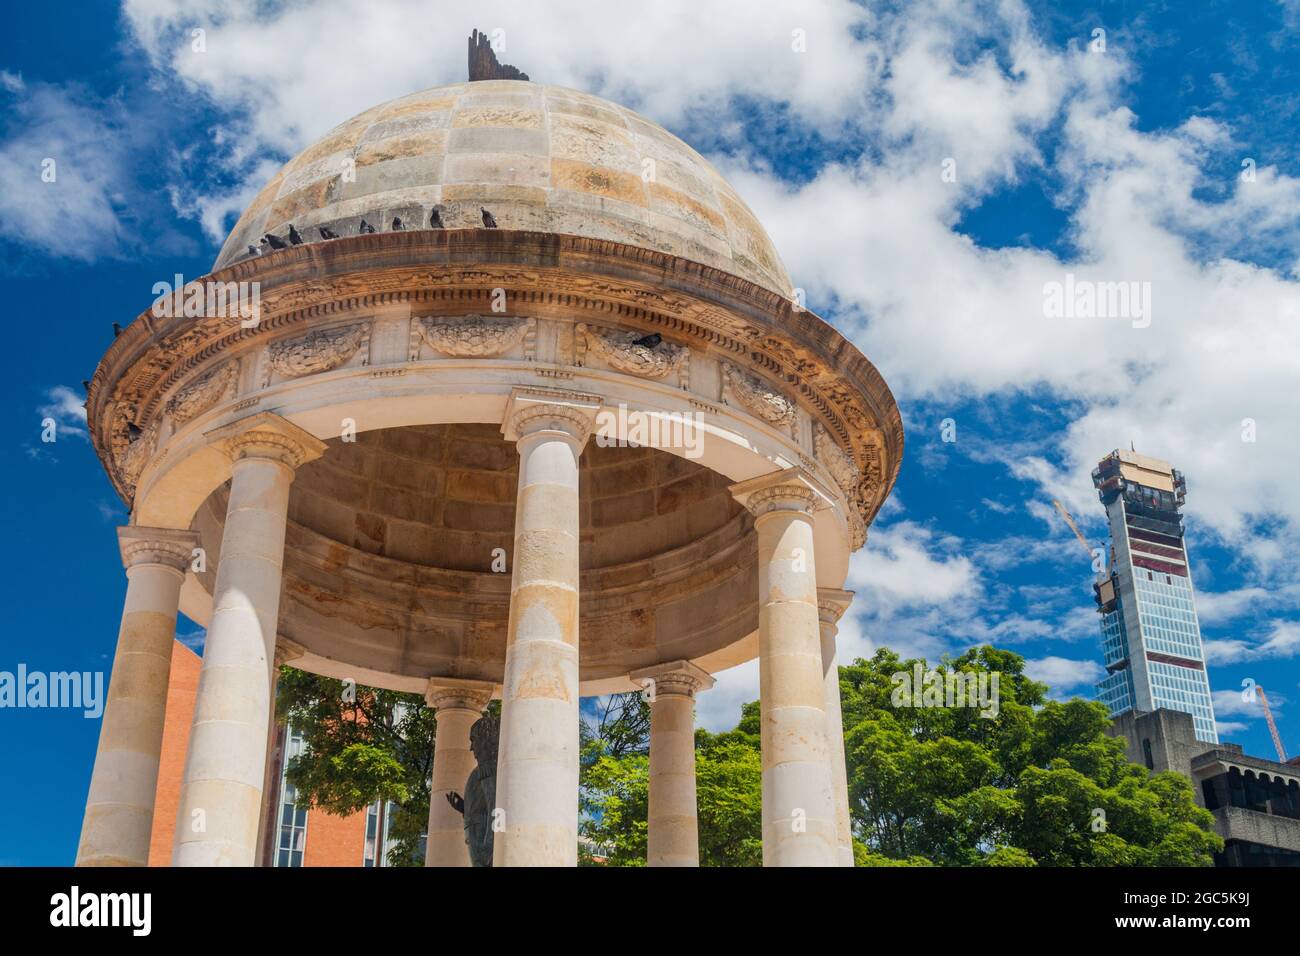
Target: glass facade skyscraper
x=1150 y=635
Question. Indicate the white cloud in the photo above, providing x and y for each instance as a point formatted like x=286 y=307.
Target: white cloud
x=65 y=406
x=1225 y=728
x=63 y=171
x=718 y=709
x=1063 y=674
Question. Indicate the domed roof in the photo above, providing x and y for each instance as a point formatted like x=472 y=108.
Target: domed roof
x=538 y=158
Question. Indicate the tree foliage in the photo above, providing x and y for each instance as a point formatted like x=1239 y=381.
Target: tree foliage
x=361 y=744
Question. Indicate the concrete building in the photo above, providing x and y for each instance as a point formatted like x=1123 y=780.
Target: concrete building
x=1151 y=637
x=521 y=403
x=1255 y=802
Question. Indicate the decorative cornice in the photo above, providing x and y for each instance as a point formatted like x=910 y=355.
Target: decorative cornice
x=165 y=546
x=454 y=693
x=318 y=351
x=469 y=336
x=701 y=306
x=622 y=351
x=673 y=678
x=756 y=396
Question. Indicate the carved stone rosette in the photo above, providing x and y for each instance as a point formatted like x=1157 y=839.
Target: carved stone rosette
x=320 y=351
x=471 y=336
x=201 y=394
x=620 y=350
x=756 y=396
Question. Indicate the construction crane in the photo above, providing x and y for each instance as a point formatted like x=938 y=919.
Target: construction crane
x=1272 y=727
x=1074 y=527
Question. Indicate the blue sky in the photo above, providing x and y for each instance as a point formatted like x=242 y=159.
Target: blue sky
x=1115 y=164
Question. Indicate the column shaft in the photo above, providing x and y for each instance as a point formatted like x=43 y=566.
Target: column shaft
x=537 y=775
x=224 y=769
x=798 y=809
x=830 y=613
x=119 y=808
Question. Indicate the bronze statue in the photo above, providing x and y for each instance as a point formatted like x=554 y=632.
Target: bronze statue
x=479 y=802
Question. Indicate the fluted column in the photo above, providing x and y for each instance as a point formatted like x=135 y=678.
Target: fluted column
x=798 y=809
x=456 y=704
x=831 y=605
x=119 y=807
x=226 y=763
x=672 y=825
x=537 y=765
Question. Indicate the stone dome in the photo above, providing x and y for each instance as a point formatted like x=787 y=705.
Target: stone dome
x=538 y=158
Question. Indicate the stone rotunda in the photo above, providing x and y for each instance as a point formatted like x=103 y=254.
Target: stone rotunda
x=526 y=409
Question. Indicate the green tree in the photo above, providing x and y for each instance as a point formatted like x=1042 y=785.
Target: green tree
x=361 y=744
x=1037 y=783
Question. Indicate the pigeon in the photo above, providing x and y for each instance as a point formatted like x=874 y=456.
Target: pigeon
x=133 y=432
x=435 y=219
x=274 y=241
x=293 y=236
x=397 y=224
x=488 y=219
x=117 y=330
x=649 y=341
x=85 y=384
x=253 y=250
x=327 y=233
x=365 y=228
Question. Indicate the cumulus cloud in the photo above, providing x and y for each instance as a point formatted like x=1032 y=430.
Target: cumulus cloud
x=65 y=407
x=63 y=171
x=1063 y=674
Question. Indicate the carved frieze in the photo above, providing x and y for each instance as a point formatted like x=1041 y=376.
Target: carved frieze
x=135 y=455
x=756 y=396
x=202 y=393
x=846 y=474
x=319 y=351
x=627 y=352
x=471 y=336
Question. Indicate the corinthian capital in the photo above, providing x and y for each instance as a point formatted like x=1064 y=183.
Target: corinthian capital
x=681 y=678
x=455 y=693
x=533 y=410
x=790 y=490
x=267 y=435
x=165 y=546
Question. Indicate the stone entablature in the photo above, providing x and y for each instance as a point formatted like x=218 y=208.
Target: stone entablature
x=746 y=347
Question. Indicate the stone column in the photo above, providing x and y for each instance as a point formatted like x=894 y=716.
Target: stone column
x=672 y=832
x=226 y=763
x=831 y=605
x=798 y=810
x=119 y=807
x=537 y=765
x=456 y=705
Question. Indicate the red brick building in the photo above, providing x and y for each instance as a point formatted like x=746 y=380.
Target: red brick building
x=292 y=835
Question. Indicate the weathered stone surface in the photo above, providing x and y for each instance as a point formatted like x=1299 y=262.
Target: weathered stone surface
x=563 y=143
